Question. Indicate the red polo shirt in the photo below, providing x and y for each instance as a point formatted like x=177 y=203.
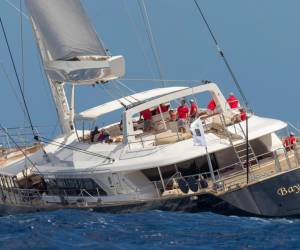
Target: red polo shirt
x=147 y=115
x=289 y=141
x=182 y=112
x=233 y=101
x=243 y=116
x=194 y=109
x=163 y=107
x=211 y=105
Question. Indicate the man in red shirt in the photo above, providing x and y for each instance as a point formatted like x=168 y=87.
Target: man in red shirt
x=147 y=115
x=193 y=110
x=243 y=114
x=232 y=101
x=183 y=112
x=163 y=108
x=290 y=141
x=211 y=105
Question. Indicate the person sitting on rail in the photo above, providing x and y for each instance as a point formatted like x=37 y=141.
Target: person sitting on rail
x=183 y=112
x=243 y=114
x=193 y=110
x=232 y=101
x=104 y=136
x=290 y=141
x=162 y=107
x=147 y=116
x=239 y=117
x=93 y=133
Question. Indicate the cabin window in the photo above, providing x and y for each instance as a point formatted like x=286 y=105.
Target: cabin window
x=71 y=186
x=186 y=168
x=152 y=174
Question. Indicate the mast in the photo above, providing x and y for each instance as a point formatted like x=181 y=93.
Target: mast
x=57 y=89
x=71 y=52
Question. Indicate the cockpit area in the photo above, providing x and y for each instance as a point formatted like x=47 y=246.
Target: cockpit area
x=163 y=116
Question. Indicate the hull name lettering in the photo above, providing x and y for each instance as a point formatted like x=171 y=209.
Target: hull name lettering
x=283 y=191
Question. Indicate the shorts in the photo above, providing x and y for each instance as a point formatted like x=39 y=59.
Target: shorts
x=148 y=124
x=181 y=123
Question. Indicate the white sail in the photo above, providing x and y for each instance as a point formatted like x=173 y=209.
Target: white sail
x=73 y=51
x=65 y=28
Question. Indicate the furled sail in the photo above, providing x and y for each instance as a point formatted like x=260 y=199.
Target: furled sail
x=74 y=51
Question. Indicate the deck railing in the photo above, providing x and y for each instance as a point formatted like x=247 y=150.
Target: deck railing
x=234 y=176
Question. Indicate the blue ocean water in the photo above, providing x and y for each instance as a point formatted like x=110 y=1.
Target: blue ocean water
x=75 y=229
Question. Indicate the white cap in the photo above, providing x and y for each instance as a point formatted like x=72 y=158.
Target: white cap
x=231 y=93
x=292 y=133
x=192 y=100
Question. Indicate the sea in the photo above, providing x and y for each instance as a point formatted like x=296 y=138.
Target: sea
x=79 y=229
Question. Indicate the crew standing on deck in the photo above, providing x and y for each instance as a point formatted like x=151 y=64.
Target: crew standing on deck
x=183 y=112
x=211 y=106
x=147 y=116
x=232 y=101
x=162 y=108
x=193 y=110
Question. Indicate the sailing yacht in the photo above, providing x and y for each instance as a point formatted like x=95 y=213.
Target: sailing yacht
x=241 y=168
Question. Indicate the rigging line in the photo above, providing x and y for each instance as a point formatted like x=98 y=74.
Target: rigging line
x=294 y=127
x=145 y=17
x=5 y=74
x=222 y=54
x=126 y=87
x=25 y=127
x=111 y=95
x=158 y=80
x=46 y=86
x=139 y=38
x=18 y=147
x=17 y=76
x=33 y=165
x=22 y=47
x=123 y=96
x=22 y=53
x=16 y=8
x=46 y=140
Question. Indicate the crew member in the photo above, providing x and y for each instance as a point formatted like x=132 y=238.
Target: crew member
x=290 y=141
x=243 y=114
x=163 y=108
x=173 y=115
x=193 y=110
x=147 y=116
x=183 y=112
x=93 y=133
x=103 y=136
x=211 y=106
x=232 y=101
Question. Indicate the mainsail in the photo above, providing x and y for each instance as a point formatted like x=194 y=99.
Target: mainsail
x=73 y=50
x=65 y=28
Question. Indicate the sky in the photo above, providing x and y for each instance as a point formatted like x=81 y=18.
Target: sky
x=260 y=39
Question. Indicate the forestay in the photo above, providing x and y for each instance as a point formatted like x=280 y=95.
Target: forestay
x=72 y=50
